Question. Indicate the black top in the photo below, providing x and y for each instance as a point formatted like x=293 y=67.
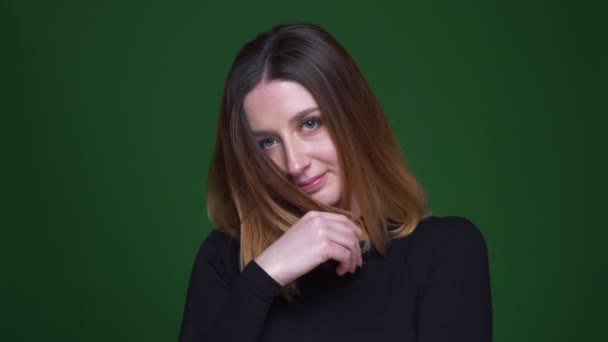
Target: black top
x=433 y=285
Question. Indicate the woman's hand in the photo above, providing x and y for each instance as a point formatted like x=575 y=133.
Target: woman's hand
x=315 y=238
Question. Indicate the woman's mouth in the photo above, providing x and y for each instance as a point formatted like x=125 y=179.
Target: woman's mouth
x=313 y=184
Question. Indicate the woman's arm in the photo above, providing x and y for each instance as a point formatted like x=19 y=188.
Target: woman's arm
x=456 y=304
x=223 y=305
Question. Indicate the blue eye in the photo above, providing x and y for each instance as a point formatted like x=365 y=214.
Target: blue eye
x=266 y=143
x=310 y=124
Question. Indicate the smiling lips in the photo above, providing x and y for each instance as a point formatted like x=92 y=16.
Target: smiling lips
x=313 y=184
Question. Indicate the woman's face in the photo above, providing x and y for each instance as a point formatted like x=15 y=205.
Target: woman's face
x=288 y=126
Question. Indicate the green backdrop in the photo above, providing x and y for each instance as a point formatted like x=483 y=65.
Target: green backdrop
x=109 y=112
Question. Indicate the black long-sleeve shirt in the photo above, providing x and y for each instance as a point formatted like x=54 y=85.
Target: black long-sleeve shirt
x=433 y=285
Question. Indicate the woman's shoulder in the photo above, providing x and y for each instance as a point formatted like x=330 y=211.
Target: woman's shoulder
x=219 y=245
x=438 y=235
x=443 y=246
x=442 y=228
x=216 y=236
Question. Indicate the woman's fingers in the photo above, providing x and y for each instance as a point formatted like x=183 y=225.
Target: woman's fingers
x=338 y=233
x=341 y=254
x=347 y=225
x=315 y=238
x=342 y=219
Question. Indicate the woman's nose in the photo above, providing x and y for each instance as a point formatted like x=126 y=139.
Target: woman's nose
x=297 y=158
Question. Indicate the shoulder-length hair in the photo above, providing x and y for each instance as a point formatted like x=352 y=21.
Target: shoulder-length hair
x=248 y=196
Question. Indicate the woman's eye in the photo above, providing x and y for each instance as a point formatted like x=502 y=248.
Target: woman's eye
x=310 y=124
x=266 y=143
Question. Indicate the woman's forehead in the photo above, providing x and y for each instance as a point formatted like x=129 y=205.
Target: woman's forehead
x=276 y=102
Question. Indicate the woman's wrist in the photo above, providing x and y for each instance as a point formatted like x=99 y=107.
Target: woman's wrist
x=271 y=268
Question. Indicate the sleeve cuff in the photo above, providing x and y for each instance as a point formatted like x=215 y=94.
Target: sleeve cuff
x=260 y=283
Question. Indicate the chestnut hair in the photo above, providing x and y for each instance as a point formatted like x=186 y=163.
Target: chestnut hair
x=250 y=198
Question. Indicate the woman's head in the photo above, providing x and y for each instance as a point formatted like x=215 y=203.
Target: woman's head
x=289 y=127
x=265 y=150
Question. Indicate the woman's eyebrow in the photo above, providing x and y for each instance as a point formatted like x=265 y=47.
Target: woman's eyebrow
x=298 y=117
x=295 y=119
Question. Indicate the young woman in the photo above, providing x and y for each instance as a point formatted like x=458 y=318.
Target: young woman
x=322 y=232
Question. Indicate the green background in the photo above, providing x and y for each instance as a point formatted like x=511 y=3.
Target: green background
x=109 y=112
